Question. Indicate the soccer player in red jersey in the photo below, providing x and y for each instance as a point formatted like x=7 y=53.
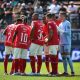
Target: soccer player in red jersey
x=46 y=48
x=9 y=31
x=53 y=42
x=22 y=39
x=57 y=21
x=37 y=43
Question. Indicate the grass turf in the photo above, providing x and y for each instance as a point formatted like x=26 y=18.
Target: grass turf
x=43 y=71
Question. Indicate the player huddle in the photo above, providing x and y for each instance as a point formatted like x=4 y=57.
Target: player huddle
x=40 y=35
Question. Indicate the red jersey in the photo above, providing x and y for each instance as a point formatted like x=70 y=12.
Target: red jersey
x=23 y=36
x=58 y=22
x=29 y=29
x=45 y=30
x=54 y=40
x=9 y=34
x=38 y=32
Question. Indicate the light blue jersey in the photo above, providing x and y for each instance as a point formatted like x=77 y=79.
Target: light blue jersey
x=65 y=37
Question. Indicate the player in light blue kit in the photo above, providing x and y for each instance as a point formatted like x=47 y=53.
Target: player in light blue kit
x=65 y=43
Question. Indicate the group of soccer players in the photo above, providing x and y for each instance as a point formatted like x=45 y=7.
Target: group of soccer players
x=41 y=34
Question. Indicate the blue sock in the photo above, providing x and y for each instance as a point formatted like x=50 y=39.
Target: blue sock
x=70 y=63
x=64 y=63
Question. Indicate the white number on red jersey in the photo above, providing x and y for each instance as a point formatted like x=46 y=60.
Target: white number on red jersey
x=40 y=36
x=9 y=36
x=24 y=37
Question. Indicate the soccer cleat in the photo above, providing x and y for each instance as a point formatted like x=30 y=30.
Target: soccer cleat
x=51 y=74
x=37 y=74
x=23 y=74
x=72 y=74
x=32 y=74
x=17 y=73
x=5 y=73
x=64 y=74
x=11 y=73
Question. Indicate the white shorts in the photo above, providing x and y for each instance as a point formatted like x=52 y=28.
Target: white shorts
x=53 y=49
x=8 y=50
x=20 y=53
x=35 y=49
x=46 y=50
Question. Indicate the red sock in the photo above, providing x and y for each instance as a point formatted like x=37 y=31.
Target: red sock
x=54 y=64
x=6 y=63
x=12 y=68
x=39 y=63
x=16 y=64
x=47 y=62
x=32 y=62
x=22 y=65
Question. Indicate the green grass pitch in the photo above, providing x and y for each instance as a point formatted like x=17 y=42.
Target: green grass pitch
x=43 y=71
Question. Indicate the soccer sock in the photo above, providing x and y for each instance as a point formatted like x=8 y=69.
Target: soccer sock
x=16 y=64
x=20 y=65
x=47 y=62
x=70 y=63
x=39 y=63
x=54 y=64
x=12 y=68
x=23 y=65
x=6 y=63
x=64 y=63
x=32 y=63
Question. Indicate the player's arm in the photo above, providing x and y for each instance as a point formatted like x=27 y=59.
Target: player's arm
x=32 y=33
x=50 y=34
x=14 y=36
x=60 y=30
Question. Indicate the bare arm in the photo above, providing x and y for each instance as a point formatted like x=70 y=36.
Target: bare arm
x=32 y=33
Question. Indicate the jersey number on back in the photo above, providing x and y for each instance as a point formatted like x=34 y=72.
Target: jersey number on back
x=24 y=37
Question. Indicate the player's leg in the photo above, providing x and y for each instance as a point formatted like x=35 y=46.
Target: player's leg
x=33 y=48
x=46 y=52
x=53 y=58
x=7 y=51
x=32 y=63
x=16 y=57
x=39 y=58
x=12 y=67
x=68 y=48
x=64 y=59
x=23 y=61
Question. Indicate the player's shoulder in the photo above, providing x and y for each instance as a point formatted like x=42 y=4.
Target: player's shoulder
x=67 y=22
x=9 y=26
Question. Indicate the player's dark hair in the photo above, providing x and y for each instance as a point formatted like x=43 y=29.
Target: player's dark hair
x=49 y=15
x=19 y=19
x=35 y=14
x=63 y=13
